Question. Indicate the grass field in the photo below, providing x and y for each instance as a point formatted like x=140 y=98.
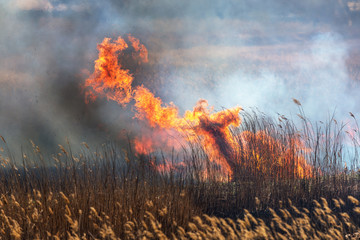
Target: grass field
x=115 y=193
x=163 y=92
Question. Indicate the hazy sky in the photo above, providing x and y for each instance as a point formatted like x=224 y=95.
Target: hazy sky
x=248 y=53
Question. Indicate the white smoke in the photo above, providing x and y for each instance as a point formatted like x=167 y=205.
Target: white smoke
x=252 y=54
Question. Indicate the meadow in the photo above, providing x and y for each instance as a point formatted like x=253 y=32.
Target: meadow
x=114 y=193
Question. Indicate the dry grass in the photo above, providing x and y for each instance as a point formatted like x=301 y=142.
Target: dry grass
x=57 y=216
x=115 y=194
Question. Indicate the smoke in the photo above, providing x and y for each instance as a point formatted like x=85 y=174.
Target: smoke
x=316 y=75
x=45 y=45
x=248 y=53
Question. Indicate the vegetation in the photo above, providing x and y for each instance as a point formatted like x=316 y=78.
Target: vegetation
x=115 y=193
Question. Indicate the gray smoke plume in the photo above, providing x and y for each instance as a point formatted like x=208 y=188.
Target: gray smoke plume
x=248 y=53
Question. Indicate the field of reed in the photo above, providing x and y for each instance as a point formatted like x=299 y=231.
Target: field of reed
x=114 y=193
x=57 y=216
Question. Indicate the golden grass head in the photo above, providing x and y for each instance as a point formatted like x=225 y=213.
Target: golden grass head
x=163 y=212
x=324 y=203
x=64 y=197
x=316 y=204
x=356 y=210
x=336 y=203
x=297 y=102
x=342 y=203
x=62 y=149
x=16 y=230
x=353 y=200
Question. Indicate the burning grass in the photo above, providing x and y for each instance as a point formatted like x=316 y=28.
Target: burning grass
x=117 y=193
x=229 y=174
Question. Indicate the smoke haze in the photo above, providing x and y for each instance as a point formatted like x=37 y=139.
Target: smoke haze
x=248 y=53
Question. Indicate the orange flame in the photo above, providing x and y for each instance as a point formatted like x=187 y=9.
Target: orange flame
x=201 y=124
x=140 y=48
x=143 y=146
x=109 y=79
x=268 y=155
x=167 y=166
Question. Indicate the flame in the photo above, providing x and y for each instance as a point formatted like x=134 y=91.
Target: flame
x=167 y=166
x=109 y=79
x=150 y=141
x=143 y=146
x=201 y=125
x=268 y=155
x=150 y=108
x=140 y=48
x=212 y=127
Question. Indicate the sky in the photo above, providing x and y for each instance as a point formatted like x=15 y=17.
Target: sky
x=253 y=54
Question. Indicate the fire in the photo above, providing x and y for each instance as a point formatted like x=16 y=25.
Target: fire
x=143 y=146
x=140 y=48
x=154 y=139
x=150 y=108
x=202 y=124
x=266 y=154
x=167 y=166
x=109 y=79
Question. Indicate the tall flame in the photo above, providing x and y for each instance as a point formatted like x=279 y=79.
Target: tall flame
x=110 y=80
x=267 y=155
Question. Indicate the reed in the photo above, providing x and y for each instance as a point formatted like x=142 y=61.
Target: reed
x=114 y=193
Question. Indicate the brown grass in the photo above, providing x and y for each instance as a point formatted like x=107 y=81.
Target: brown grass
x=59 y=216
x=115 y=194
